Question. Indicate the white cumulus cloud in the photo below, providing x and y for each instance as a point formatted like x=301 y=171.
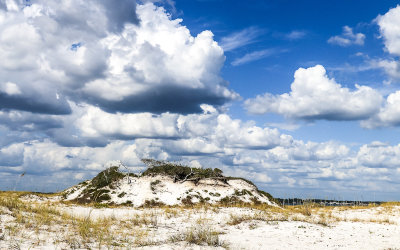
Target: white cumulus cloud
x=388 y=115
x=97 y=52
x=315 y=96
x=208 y=132
x=389 y=26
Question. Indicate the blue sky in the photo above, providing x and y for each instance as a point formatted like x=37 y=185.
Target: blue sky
x=300 y=97
x=314 y=22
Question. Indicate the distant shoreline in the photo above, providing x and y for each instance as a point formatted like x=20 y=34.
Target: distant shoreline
x=326 y=202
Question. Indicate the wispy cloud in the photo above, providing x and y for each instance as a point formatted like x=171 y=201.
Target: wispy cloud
x=284 y=126
x=295 y=35
x=347 y=38
x=254 y=56
x=240 y=38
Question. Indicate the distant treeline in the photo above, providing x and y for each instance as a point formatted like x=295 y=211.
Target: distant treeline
x=299 y=201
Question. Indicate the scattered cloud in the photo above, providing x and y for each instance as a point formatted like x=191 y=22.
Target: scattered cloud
x=347 y=38
x=314 y=96
x=284 y=126
x=241 y=38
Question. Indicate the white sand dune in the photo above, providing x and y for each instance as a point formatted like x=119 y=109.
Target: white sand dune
x=138 y=190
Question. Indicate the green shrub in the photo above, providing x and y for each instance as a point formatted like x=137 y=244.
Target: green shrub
x=153 y=203
x=103 y=197
x=187 y=201
x=215 y=194
x=177 y=171
x=228 y=200
x=270 y=197
x=153 y=184
x=106 y=177
x=127 y=203
x=243 y=192
x=94 y=191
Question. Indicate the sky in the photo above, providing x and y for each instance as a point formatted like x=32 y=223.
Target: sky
x=301 y=97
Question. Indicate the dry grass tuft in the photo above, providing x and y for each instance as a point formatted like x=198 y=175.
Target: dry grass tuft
x=199 y=235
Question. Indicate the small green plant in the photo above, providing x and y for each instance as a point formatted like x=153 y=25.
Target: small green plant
x=153 y=203
x=153 y=184
x=100 y=205
x=230 y=200
x=243 y=192
x=215 y=194
x=187 y=201
x=127 y=203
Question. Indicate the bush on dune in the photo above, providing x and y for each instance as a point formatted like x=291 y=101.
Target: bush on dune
x=178 y=171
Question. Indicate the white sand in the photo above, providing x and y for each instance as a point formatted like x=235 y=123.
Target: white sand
x=356 y=229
